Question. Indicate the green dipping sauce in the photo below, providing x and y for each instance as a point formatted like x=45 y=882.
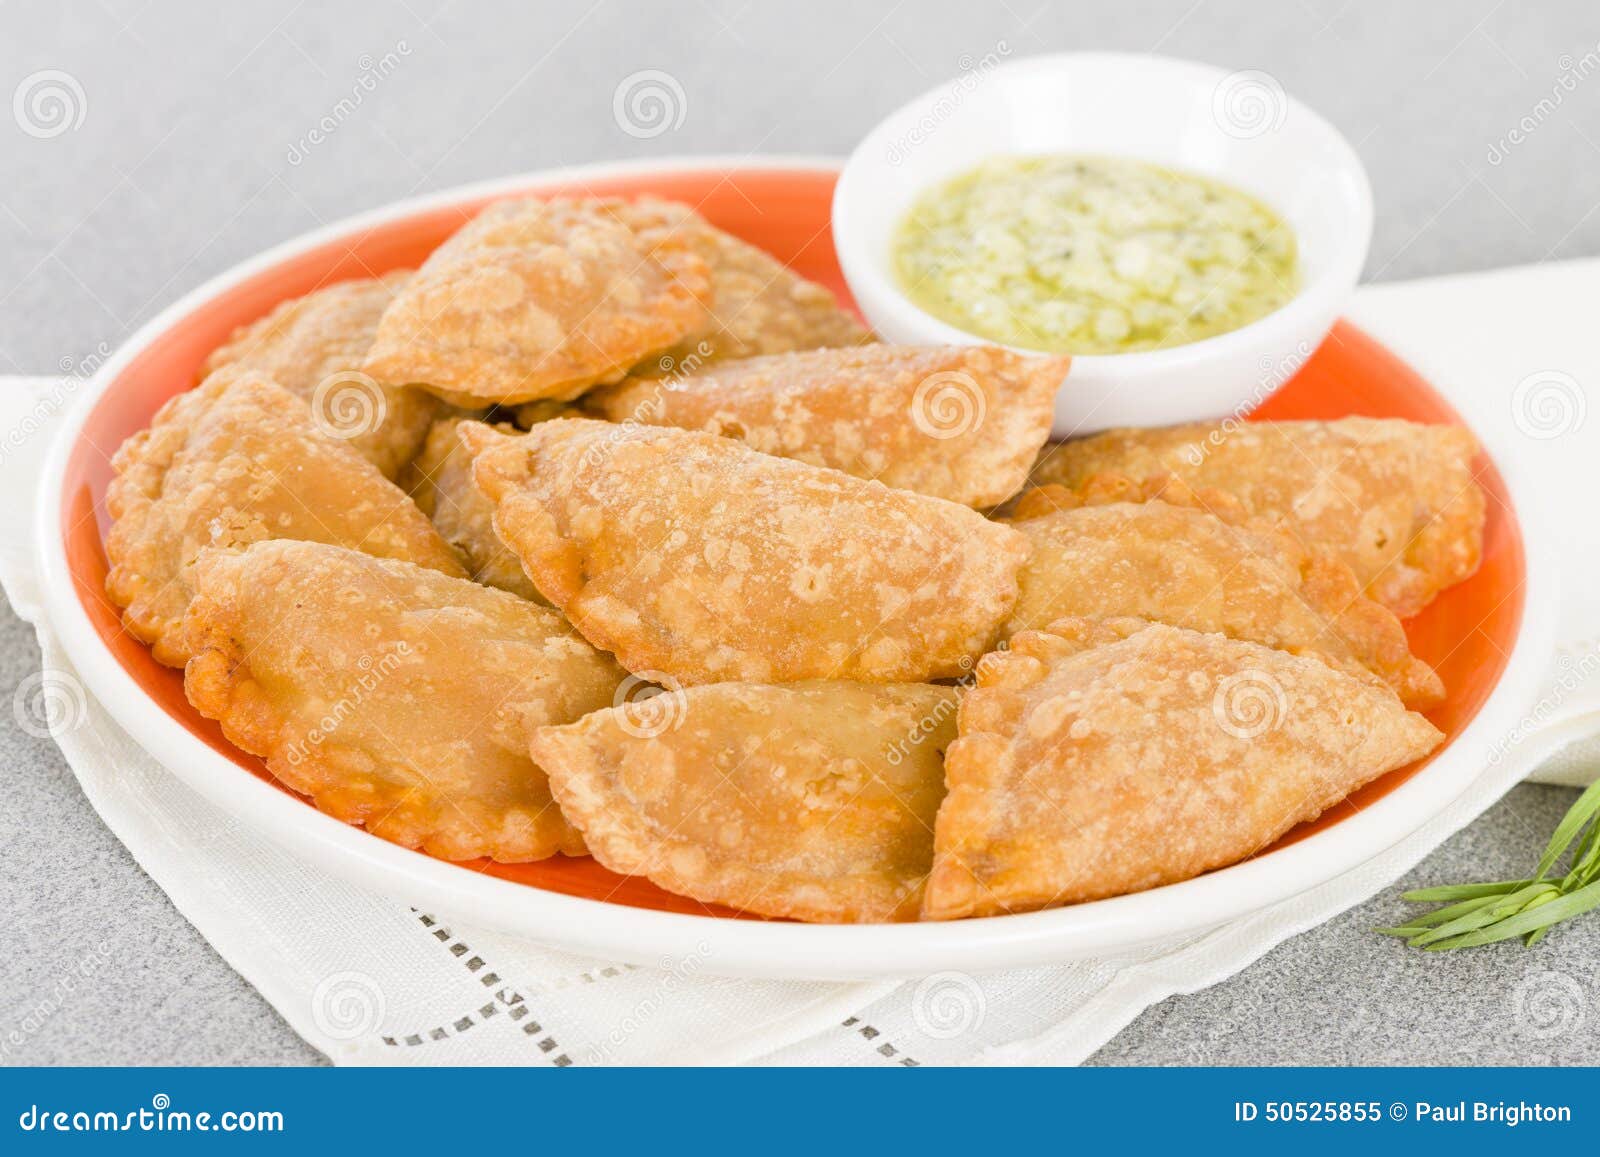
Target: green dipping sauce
x=1093 y=255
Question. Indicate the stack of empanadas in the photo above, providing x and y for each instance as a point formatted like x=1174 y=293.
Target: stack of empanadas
x=604 y=533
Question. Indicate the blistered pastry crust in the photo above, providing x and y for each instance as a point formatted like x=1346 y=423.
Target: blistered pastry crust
x=696 y=556
x=395 y=697
x=962 y=423
x=811 y=801
x=540 y=299
x=235 y=461
x=1397 y=501
x=1192 y=559
x=314 y=347
x=1097 y=758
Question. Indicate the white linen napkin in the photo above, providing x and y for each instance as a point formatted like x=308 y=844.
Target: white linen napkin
x=368 y=981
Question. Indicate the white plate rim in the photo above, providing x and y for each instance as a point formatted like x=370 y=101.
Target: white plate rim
x=745 y=947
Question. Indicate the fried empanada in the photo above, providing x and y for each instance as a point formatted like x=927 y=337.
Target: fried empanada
x=1104 y=757
x=962 y=423
x=699 y=557
x=540 y=299
x=314 y=346
x=1196 y=560
x=443 y=487
x=235 y=461
x=1395 y=500
x=758 y=305
x=393 y=696
x=813 y=801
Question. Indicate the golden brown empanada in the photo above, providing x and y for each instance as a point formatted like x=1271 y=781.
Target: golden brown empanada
x=1173 y=556
x=758 y=305
x=1395 y=500
x=962 y=423
x=237 y=460
x=1104 y=757
x=813 y=801
x=443 y=488
x=314 y=346
x=540 y=299
x=395 y=697
x=698 y=557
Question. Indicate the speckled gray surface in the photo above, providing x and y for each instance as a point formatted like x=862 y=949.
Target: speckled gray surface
x=191 y=154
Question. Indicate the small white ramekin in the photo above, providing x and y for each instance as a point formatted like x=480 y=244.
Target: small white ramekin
x=1238 y=127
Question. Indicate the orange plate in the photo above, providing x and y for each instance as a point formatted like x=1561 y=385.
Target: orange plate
x=1467 y=633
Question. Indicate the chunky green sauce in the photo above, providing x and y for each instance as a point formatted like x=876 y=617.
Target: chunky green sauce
x=1093 y=255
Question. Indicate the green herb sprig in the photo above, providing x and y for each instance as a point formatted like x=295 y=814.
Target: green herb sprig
x=1476 y=914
